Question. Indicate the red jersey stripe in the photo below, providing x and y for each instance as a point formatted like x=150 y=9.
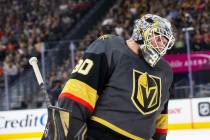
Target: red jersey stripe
x=77 y=99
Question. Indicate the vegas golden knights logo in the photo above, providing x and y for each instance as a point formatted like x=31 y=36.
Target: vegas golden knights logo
x=146 y=92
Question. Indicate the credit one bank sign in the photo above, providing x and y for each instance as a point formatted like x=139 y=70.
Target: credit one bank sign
x=23 y=120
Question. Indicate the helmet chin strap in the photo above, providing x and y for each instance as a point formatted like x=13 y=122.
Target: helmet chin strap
x=151 y=59
x=150 y=56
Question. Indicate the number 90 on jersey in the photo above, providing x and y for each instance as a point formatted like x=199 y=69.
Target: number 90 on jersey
x=83 y=67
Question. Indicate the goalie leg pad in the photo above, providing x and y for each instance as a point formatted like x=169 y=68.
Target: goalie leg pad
x=60 y=127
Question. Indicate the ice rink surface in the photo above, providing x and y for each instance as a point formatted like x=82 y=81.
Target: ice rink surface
x=192 y=134
x=196 y=134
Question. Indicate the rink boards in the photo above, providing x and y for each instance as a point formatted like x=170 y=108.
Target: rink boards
x=189 y=113
x=183 y=114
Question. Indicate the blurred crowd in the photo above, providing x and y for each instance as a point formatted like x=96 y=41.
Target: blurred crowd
x=26 y=24
x=182 y=13
x=120 y=18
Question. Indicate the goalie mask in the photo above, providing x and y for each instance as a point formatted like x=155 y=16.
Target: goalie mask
x=155 y=36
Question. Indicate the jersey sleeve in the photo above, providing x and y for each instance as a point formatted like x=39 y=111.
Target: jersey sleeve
x=162 y=124
x=87 y=80
x=162 y=120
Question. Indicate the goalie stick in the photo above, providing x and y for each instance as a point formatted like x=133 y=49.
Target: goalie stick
x=33 y=62
x=55 y=122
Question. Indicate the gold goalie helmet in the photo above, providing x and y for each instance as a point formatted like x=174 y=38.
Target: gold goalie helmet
x=155 y=36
